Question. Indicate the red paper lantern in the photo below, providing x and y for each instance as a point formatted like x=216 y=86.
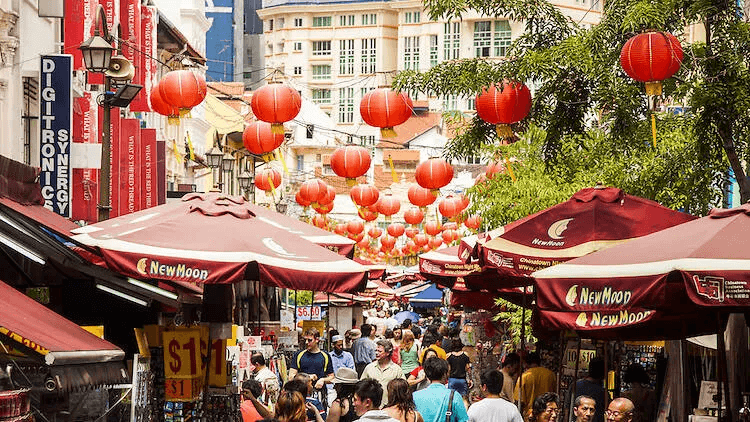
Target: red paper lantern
x=450 y=226
x=421 y=239
x=312 y=190
x=435 y=242
x=411 y=232
x=268 y=180
x=651 y=57
x=162 y=107
x=351 y=162
x=320 y=221
x=364 y=195
x=495 y=167
x=375 y=232
x=356 y=237
x=366 y=214
x=328 y=197
x=449 y=236
x=388 y=241
x=355 y=227
x=183 y=89
x=396 y=229
x=323 y=208
x=464 y=201
x=504 y=104
x=410 y=247
x=432 y=228
x=420 y=196
x=385 y=109
x=473 y=222
x=276 y=103
x=450 y=207
x=363 y=244
x=340 y=229
x=300 y=200
x=413 y=216
x=260 y=140
x=388 y=205
x=433 y=174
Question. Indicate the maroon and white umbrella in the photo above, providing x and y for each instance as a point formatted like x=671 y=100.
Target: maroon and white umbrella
x=667 y=283
x=213 y=239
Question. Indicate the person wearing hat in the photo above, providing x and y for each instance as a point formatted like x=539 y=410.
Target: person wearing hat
x=340 y=358
x=342 y=409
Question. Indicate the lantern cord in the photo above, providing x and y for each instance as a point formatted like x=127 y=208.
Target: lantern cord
x=653 y=128
x=283 y=162
x=510 y=169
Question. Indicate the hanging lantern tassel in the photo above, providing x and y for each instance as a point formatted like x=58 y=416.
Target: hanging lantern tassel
x=177 y=155
x=394 y=176
x=387 y=132
x=503 y=131
x=185 y=113
x=653 y=127
x=173 y=120
x=280 y=157
x=653 y=88
x=277 y=128
x=510 y=169
x=270 y=183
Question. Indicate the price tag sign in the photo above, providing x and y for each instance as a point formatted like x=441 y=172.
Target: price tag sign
x=306 y=313
x=217 y=371
x=182 y=353
x=182 y=389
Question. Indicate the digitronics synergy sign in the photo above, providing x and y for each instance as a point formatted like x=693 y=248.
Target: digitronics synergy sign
x=55 y=120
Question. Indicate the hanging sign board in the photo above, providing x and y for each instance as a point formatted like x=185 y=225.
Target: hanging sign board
x=305 y=313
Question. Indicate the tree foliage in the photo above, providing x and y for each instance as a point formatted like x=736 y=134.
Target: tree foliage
x=589 y=121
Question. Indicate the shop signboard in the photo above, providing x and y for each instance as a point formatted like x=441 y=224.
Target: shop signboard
x=584 y=357
x=184 y=353
x=309 y=313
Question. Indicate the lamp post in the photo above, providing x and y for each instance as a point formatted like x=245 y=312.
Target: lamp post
x=97 y=57
x=221 y=161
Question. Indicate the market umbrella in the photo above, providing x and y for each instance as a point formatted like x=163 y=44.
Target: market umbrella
x=431 y=297
x=675 y=281
x=592 y=219
x=215 y=239
x=404 y=315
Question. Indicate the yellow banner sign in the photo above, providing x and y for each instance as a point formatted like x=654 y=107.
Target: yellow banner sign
x=182 y=353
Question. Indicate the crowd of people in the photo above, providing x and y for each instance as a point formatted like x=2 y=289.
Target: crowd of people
x=415 y=375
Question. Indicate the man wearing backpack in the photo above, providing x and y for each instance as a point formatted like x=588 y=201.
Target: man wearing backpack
x=437 y=403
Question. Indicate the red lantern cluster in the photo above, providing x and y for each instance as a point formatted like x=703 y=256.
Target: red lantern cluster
x=350 y=162
x=268 y=180
x=355 y=227
x=314 y=191
x=375 y=232
x=259 y=139
x=433 y=174
x=385 y=109
x=276 y=103
x=651 y=57
x=183 y=89
x=396 y=229
x=504 y=104
x=473 y=222
x=432 y=228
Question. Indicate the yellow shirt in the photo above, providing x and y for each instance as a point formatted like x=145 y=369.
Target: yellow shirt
x=536 y=381
x=440 y=352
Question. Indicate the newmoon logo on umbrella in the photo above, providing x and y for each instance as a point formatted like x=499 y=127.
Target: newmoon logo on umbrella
x=170 y=271
x=606 y=296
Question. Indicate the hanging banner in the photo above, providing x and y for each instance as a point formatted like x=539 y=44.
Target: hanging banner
x=148 y=65
x=161 y=172
x=85 y=189
x=114 y=154
x=55 y=130
x=111 y=13
x=130 y=22
x=79 y=19
x=148 y=175
x=130 y=166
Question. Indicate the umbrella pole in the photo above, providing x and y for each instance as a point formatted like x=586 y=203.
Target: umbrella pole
x=721 y=356
x=259 y=289
x=523 y=347
x=295 y=311
x=328 y=319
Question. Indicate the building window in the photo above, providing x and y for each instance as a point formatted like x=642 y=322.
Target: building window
x=452 y=41
x=280 y=22
x=321 y=71
x=30 y=115
x=346 y=57
x=370 y=19
x=365 y=90
x=319 y=21
x=368 y=140
x=318 y=158
x=433 y=50
x=411 y=53
x=412 y=17
x=300 y=163
x=321 y=96
x=346 y=20
x=473 y=159
x=297 y=22
x=501 y=38
x=327 y=170
x=471 y=103
x=369 y=54
x=270 y=24
x=297 y=70
x=450 y=103
x=482 y=38
x=346 y=105
x=298 y=46
x=321 y=48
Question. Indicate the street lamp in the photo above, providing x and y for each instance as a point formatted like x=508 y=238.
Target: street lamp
x=218 y=160
x=97 y=57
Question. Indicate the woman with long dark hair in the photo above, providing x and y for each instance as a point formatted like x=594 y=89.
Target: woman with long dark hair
x=400 y=402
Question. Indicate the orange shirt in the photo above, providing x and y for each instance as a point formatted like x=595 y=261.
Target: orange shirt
x=249 y=412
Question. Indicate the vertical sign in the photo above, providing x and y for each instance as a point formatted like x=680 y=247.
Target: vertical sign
x=79 y=18
x=130 y=166
x=55 y=122
x=114 y=160
x=85 y=187
x=130 y=22
x=161 y=172
x=149 y=64
x=148 y=175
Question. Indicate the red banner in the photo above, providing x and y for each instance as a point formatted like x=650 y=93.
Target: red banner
x=148 y=160
x=130 y=166
x=79 y=19
x=161 y=172
x=115 y=163
x=148 y=64
x=85 y=193
x=130 y=21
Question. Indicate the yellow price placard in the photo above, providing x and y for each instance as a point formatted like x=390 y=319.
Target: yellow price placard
x=217 y=371
x=182 y=353
x=182 y=389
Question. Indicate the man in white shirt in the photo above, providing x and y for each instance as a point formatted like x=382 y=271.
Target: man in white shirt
x=493 y=408
x=266 y=378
